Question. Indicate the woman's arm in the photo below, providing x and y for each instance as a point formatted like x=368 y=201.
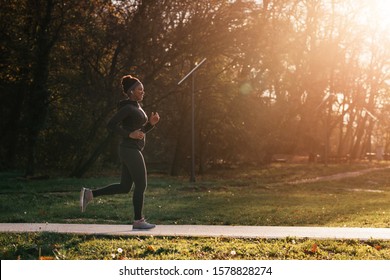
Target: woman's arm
x=114 y=123
x=153 y=120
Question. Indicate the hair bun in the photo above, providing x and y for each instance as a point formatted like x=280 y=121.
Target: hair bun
x=129 y=82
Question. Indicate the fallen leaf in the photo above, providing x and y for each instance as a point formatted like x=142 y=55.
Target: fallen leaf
x=46 y=258
x=150 y=248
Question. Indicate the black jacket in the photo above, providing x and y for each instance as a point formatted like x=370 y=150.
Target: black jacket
x=128 y=118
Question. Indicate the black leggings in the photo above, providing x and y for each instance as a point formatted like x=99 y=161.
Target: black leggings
x=133 y=171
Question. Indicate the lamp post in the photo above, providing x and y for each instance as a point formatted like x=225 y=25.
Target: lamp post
x=192 y=73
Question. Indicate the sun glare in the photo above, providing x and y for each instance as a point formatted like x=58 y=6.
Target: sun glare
x=376 y=13
x=383 y=8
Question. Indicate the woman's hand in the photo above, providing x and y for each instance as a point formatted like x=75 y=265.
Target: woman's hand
x=137 y=134
x=154 y=118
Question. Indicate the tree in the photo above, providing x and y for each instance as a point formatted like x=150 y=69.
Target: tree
x=292 y=76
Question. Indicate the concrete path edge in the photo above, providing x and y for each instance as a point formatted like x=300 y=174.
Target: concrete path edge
x=270 y=232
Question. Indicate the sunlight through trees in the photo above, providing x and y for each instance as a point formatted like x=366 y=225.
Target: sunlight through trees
x=296 y=77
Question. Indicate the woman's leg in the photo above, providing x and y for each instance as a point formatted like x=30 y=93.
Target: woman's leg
x=135 y=163
x=133 y=170
x=118 y=188
x=87 y=195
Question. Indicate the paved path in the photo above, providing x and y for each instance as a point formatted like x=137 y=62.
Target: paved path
x=338 y=176
x=205 y=231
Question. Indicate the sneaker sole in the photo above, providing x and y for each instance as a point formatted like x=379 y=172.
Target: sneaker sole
x=144 y=228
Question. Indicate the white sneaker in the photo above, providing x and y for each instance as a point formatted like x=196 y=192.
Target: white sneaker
x=86 y=196
x=142 y=224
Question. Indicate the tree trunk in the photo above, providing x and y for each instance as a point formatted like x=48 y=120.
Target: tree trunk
x=38 y=99
x=10 y=134
x=357 y=145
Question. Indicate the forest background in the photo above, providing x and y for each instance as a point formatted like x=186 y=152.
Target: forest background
x=293 y=77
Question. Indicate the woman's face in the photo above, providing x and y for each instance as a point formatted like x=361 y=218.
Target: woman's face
x=138 y=93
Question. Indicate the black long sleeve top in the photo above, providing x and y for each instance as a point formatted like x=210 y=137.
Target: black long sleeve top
x=130 y=117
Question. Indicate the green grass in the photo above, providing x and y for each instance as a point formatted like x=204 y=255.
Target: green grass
x=255 y=196
x=77 y=247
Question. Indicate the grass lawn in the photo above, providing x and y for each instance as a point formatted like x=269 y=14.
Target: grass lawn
x=272 y=196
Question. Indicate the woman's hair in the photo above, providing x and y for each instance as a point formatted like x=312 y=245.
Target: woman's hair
x=129 y=82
